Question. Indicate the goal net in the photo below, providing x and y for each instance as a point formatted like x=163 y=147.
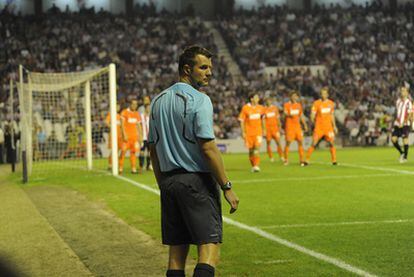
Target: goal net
x=66 y=120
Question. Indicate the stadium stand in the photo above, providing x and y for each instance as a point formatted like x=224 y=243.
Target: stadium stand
x=366 y=57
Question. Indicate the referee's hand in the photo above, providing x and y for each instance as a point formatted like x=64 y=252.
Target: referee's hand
x=232 y=199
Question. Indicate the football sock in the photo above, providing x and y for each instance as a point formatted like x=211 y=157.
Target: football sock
x=141 y=160
x=310 y=151
x=175 y=273
x=301 y=152
x=110 y=160
x=133 y=159
x=121 y=160
x=286 y=152
x=203 y=270
x=333 y=154
x=257 y=160
x=405 y=151
x=397 y=146
x=280 y=151
x=251 y=159
x=269 y=151
x=148 y=161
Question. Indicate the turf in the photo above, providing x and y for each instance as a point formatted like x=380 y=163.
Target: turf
x=369 y=187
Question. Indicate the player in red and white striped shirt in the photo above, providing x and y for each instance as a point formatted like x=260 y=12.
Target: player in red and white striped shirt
x=402 y=123
x=144 y=153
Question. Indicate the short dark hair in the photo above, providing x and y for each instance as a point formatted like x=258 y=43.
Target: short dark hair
x=293 y=92
x=251 y=95
x=188 y=55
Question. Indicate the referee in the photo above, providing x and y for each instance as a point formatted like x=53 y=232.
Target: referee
x=188 y=166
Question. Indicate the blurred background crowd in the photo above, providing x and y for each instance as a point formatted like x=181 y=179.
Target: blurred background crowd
x=367 y=53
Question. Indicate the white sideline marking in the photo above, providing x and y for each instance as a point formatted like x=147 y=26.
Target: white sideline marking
x=336 y=262
x=400 y=171
x=310 y=178
x=337 y=224
x=273 y=262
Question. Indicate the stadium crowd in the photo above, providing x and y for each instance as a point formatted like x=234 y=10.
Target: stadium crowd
x=367 y=53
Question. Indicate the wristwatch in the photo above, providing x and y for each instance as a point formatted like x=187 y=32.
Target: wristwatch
x=226 y=186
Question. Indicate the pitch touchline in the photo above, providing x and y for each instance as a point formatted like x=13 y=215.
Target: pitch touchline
x=400 y=171
x=336 y=224
x=334 y=261
x=313 y=178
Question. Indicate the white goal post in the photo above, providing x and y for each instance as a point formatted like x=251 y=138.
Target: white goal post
x=63 y=119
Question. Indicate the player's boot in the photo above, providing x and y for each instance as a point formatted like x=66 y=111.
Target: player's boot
x=272 y=160
x=285 y=162
x=334 y=163
x=402 y=159
x=255 y=169
x=149 y=168
x=305 y=163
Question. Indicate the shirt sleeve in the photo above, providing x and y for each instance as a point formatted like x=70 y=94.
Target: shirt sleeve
x=242 y=115
x=203 y=125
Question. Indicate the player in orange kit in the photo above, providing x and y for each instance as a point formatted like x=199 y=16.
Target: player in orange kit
x=251 y=124
x=118 y=132
x=322 y=116
x=272 y=120
x=131 y=135
x=293 y=113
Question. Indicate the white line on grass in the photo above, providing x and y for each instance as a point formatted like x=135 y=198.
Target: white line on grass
x=337 y=262
x=400 y=171
x=273 y=262
x=310 y=178
x=336 y=224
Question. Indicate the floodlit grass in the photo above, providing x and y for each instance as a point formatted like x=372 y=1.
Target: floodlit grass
x=360 y=212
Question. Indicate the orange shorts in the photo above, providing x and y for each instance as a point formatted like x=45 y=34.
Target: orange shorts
x=131 y=145
x=272 y=134
x=253 y=141
x=294 y=134
x=328 y=135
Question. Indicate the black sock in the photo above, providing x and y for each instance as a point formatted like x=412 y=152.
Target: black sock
x=203 y=270
x=141 y=161
x=175 y=273
x=405 y=151
x=397 y=146
x=148 y=161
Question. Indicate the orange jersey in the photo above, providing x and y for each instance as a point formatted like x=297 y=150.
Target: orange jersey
x=118 y=122
x=323 y=111
x=271 y=115
x=251 y=117
x=293 y=112
x=130 y=120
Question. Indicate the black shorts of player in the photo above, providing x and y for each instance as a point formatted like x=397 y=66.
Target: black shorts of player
x=145 y=145
x=190 y=209
x=403 y=132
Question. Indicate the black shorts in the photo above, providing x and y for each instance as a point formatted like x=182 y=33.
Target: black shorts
x=403 y=132
x=145 y=145
x=190 y=209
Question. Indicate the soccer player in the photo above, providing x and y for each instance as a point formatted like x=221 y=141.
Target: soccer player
x=272 y=120
x=403 y=117
x=251 y=124
x=293 y=113
x=131 y=131
x=144 y=153
x=322 y=116
x=118 y=132
x=188 y=167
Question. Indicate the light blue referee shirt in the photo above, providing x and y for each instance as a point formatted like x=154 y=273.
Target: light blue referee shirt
x=180 y=115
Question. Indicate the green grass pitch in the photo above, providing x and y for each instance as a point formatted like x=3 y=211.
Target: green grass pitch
x=360 y=212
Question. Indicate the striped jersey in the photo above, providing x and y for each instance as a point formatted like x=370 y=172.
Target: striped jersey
x=403 y=109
